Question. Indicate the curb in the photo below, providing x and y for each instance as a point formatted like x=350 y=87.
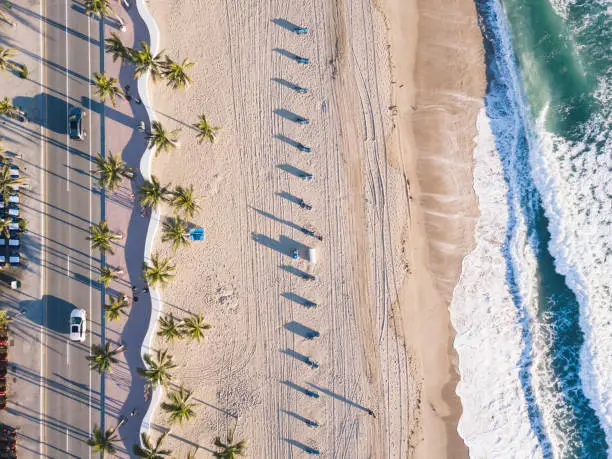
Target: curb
x=145 y=169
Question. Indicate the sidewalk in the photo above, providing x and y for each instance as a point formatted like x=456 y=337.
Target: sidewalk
x=124 y=388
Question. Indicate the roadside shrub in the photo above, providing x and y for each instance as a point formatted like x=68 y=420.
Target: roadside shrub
x=24 y=72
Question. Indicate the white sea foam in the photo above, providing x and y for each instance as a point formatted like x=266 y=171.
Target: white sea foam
x=575 y=183
x=495 y=419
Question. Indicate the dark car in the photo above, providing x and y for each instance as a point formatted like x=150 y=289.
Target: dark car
x=75 y=123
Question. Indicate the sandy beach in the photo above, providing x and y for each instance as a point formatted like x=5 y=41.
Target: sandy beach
x=394 y=90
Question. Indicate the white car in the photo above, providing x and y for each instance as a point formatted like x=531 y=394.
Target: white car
x=78 y=325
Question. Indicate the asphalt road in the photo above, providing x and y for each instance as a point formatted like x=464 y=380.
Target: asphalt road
x=72 y=398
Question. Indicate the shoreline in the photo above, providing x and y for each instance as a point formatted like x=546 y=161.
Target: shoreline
x=437 y=271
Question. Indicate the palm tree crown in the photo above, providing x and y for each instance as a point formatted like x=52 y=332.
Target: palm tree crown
x=205 y=130
x=178 y=407
x=230 y=450
x=157 y=372
x=116 y=307
x=152 y=193
x=176 y=231
x=184 y=201
x=98 y=8
x=169 y=329
x=108 y=274
x=5 y=58
x=103 y=442
x=112 y=170
x=150 y=450
x=195 y=326
x=8 y=183
x=115 y=47
x=158 y=271
x=107 y=87
x=160 y=139
x=146 y=61
x=103 y=358
x=176 y=73
x=7 y=108
x=102 y=237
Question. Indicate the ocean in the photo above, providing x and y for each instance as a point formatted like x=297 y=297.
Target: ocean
x=533 y=307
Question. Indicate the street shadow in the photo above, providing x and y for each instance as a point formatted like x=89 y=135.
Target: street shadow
x=296 y=416
x=339 y=397
x=302 y=446
x=287 y=140
x=291 y=169
x=288 y=54
x=53 y=23
x=109 y=111
x=284 y=244
x=293 y=270
x=290 y=26
x=108 y=21
x=288 y=196
x=296 y=355
x=287 y=114
x=285 y=83
x=276 y=219
x=295 y=386
x=295 y=298
x=299 y=329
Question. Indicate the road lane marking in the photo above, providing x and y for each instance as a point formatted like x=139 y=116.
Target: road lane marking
x=67 y=105
x=67 y=436
x=68 y=265
x=43 y=146
x=67 y=352
x=90 y=219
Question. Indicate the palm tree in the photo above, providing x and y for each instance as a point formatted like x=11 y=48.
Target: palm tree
x=184 y=201
x=102 y=237
x=8 y=183
x=8 y=109
x=150 y=194
x=114 y=309
x=169 y=329
x=205 y=130
x=100 y=9
x=103 y=358
x=104 y=442
x=230 y=450
x=176 y=231
x=5 y=319
x=116 y=48
x=150 y=451
x=161 y=140
x=191 y=454
x=158 y=271
x=112 y=170
x=5 y=59
x=107 y=87
x=176 y=74
x=178 y=407
x=146 y=62
x=195 y=326
x=108 y=274
x=157 y=372
x=4 y=227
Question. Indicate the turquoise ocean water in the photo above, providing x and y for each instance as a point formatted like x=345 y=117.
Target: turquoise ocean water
x=548 y=104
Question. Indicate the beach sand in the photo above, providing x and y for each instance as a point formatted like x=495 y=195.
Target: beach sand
x=391 y=194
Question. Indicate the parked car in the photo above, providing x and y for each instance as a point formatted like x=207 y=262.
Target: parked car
x=75 y=123
x=78 y=325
